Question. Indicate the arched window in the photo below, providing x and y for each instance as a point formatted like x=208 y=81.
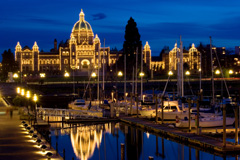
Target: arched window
x=65 y=61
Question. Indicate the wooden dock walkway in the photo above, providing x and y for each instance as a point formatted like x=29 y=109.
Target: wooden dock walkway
x=201 y=142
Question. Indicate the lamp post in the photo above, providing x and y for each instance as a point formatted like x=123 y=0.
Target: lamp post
x=170 y=73
x=15 y=76
x=18 y=90
x=22 y=92
x=218 y=72
x=187 y=73
x=42 y=76
x=73 y=69
x=93 y=75
x=66 y=74
x=141 y=74
x=120 y=74
x=35 y=99
x=28 y=95
x=230 y=72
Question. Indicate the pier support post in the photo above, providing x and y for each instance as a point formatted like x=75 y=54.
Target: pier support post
x=56 y=148
x=189 y=115
x=150 y=158
x=236 y=124
x=156 y=106
x=122 y=151
x=111 y=110
x=224 y=125
x=137 y=103
x=197 y=125
x=162 y=108
x=63 y=154
x=131 y=110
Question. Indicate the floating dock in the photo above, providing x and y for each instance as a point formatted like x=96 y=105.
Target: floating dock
x=201 y=142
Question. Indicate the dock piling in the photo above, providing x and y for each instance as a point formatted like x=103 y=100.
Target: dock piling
x=236 y=124
x=156 y=106
x=189 y=115
x=224 y=125
x=64 y=154
x=56 y=148
x=122 y=151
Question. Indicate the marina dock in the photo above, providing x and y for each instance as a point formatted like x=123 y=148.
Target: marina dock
x=201 y=142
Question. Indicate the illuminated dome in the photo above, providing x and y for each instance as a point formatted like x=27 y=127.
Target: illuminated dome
x=82 y=30
x=81 y=24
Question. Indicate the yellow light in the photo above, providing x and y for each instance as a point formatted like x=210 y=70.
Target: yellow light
x=18 y=90
x=187 y=73
x=217 y=71
x=42 y=75
x=22 y=92
x=230 y=71
x=66 y=74
x=28 y=94
x=93 y=75
x=141 y=74
x=35 y=98
x=120 y=74
x=15 y=75
x=25 y=75
x=170 y=73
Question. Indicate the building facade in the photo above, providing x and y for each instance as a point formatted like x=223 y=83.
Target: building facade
x=83 y=53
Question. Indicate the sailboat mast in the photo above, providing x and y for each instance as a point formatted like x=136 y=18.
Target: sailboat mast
x=125 y=75
x=141 y=72
x=200 y=73
x=103 y=89
x=213 y=92
x=98 y=74
x=181 y=64
x=136 y=70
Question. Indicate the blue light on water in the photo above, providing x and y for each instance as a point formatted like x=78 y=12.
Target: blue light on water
x=103 y=141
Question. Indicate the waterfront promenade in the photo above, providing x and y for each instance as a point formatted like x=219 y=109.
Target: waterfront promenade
x=15 y=142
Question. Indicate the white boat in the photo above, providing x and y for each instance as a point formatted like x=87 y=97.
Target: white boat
x=171 y=111
x=78 y=104
x=212 y=121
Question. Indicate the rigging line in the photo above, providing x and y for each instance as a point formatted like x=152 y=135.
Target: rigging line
x=87 y=85
x=222 y=73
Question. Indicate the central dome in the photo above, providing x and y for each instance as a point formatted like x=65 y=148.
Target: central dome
x=81 y=24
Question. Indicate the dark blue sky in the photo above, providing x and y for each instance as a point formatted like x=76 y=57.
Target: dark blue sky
x=160 y=22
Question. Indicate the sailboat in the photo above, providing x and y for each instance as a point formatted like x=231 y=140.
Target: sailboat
x=208 y=121
x=211 y=121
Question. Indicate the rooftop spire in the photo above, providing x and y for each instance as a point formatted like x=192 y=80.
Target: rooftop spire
x=146 y=45
x=81 y=15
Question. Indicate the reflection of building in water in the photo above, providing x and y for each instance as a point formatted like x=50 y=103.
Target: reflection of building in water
x=85 y=138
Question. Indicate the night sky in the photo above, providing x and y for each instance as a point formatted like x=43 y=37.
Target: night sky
x=160 y=22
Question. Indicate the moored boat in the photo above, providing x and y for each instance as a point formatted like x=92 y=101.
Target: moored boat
x=78 y=104
x=204 y=122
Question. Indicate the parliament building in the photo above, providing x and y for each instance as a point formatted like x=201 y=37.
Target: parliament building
x=83 y=53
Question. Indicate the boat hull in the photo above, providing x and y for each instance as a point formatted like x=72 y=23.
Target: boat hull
x=205 y=123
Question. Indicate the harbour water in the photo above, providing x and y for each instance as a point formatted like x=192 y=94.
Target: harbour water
x=103 y=141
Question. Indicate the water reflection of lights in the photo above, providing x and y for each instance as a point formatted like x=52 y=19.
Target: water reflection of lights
x=85 y=139
x=147 y=135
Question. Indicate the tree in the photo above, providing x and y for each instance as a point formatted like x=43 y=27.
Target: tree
x=131 y=43
x=8 y=64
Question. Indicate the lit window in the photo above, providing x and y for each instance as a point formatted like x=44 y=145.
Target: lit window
x=65 y=61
